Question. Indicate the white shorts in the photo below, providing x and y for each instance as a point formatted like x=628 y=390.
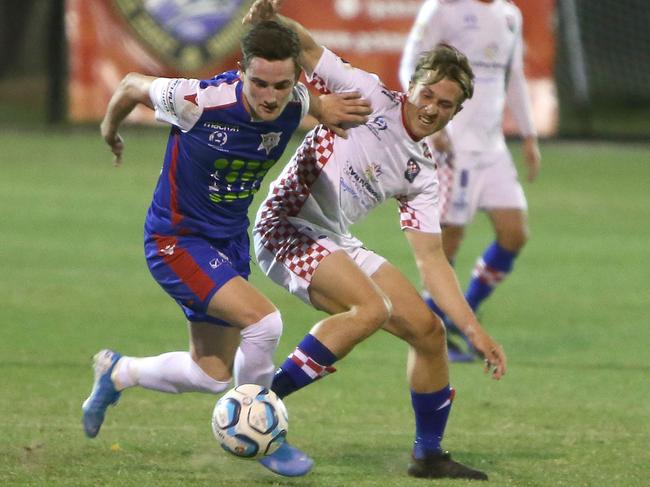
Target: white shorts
x=290 y=250
x=478 y=181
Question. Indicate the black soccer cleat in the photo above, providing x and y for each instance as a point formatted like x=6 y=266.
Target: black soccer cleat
x=439 y=465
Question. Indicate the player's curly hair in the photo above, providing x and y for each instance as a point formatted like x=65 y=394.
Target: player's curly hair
x=271 y=41
x=446 y=62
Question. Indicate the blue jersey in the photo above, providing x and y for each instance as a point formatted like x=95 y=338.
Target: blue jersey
x=216 y=155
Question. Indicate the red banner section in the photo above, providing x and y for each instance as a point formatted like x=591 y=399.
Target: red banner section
x=199 y=38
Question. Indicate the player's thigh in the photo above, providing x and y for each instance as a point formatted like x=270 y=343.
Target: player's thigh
x=339 y=284
x=411 y=319
x=213 y=348
x=238 y=303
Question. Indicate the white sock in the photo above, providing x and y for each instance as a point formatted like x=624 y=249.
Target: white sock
x=254 y=357
x=173 y=372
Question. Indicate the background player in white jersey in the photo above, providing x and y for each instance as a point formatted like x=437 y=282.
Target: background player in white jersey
x=226 y=133
x=479 y=172
x=302 y=240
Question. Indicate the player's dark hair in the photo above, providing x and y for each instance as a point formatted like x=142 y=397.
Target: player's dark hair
x=271 y=41
x=447 y=62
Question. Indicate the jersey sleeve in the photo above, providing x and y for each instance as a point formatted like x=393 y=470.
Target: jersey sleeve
x=301 y=95
x=517 y=90
x=420 y=212
x=426 y=33
x=175 y=101
x=333 y=75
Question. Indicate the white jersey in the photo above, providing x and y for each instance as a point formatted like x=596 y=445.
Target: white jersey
x=489 y=34
x=333 y=182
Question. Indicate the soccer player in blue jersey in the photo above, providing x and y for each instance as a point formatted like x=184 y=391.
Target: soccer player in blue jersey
x=226 y=133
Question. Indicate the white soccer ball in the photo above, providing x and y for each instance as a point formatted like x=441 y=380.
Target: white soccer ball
x=250 y=421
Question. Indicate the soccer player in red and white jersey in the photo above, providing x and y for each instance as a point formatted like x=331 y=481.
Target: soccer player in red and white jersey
x=302 y=240
x=480 y=175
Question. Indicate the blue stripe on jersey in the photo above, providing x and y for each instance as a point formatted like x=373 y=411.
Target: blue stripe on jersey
x=211 y=173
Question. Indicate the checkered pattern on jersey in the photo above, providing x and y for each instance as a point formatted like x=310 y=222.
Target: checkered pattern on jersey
x=300 y=253
x=319 y=84
x=446 y=179
x=407 y=216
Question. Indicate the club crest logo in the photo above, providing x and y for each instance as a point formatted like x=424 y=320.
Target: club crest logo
x=187 y=34
x=270 y=141
x=412 y=170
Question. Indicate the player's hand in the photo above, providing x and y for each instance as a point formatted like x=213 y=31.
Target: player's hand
x=338 y=109
x=493 y=355
x=443 y=148
x=533 y=157
x=262 y=10
x=115 y=142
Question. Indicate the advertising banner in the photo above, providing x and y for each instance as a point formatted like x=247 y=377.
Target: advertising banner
x=199 y=38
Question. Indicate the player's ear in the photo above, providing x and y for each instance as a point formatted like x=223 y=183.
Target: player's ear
x=240 y=67
x=458 y=109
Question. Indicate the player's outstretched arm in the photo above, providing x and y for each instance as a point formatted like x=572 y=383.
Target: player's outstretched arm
x=440 y=281
x=310 y=52
x=133 y=89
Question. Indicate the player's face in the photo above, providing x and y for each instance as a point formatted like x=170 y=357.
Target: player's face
x=267 y=87
x=430 y=107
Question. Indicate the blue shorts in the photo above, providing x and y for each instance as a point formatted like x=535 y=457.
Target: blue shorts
x=192 y=269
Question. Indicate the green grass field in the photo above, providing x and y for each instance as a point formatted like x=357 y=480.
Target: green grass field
x=572 y=411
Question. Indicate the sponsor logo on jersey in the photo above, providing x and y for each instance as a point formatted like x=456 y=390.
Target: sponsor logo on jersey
x=348 y=189
x=393 y=96
x=376 y=125
x=168 y=249
x=361 y=182
x=412 y=170
x=221 y=126
x=470 y=21
x=270 y=141
x=219 y=260
x=235 y=179
x=188 y=35
x=492 y=50
x=218 y=138
x=373 y=171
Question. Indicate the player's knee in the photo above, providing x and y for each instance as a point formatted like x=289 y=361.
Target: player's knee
x=266 y=329
x=513 y=240
x=373 y=314
x=429 y=334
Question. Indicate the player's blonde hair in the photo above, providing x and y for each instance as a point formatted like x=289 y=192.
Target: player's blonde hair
x=445 y=61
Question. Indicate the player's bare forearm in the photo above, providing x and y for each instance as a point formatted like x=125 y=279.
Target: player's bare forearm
x=440 y=281
x=133 y=90
x=532 y=156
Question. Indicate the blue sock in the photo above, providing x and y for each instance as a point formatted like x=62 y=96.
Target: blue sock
x=431 y=413
x=432 y=304
x=434 y=307
x=310 y=361
x=491 y=268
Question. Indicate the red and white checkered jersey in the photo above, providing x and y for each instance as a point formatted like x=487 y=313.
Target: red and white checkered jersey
x=334 y=182
x=490 y=35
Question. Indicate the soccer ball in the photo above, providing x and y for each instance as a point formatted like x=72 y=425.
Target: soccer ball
x=250 y=421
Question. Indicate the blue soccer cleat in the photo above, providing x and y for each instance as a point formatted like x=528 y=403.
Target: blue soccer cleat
x=288 y=461
x=103 y=394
